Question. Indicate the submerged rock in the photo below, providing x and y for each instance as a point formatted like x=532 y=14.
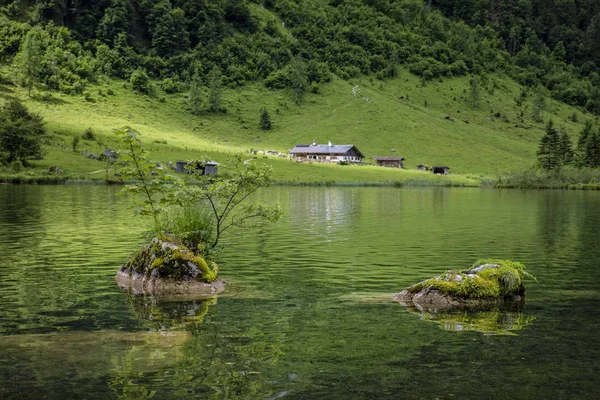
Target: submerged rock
x=486 y=284
x=165 y=266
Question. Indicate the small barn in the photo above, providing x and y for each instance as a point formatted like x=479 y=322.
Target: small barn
x=440 y=170
x=327 y=153
x=423 y=167
x=389 y=161
x=210 y=167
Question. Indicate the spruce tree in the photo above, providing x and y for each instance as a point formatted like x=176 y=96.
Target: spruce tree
x=566 y=149
x=593 y=149
x=214 y=90
x=581 y=156
x=265 y=120
x=549 y=155
x=475 y=92
x=538 y=105
x=298 y=81
x=195 y=96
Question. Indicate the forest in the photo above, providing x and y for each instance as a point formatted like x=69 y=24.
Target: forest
x=298 y=44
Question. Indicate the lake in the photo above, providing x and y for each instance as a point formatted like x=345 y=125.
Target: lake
x=307 y=314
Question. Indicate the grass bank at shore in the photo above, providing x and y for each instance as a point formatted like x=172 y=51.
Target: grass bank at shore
x=292 y=174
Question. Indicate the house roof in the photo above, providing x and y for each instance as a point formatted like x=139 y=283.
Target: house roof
x=388 y=158
x=325 y=149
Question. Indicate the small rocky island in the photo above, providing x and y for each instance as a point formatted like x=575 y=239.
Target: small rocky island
x=487 y=283
x=166 y=266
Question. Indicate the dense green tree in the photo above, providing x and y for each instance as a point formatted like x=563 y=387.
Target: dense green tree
x=298 y=81
x=549 y=152
x=168 y=27
x=265 y=120
x=588 y=147
x=140 y=82
x=116 y=20
x=21 y=133
x=538 y=105
x=475 y=92
x=11 y=34
x=566 y=149
x=582 y=157
x=75 y=143
x=196 y=100
x=215 y=88
x=593 y=149
x=29 y=59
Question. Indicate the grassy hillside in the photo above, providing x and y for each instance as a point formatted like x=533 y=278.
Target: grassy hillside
x=402 y=114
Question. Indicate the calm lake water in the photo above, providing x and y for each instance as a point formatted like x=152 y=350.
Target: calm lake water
x=307 y=314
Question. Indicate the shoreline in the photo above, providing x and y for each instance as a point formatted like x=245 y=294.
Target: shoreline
x=484 y=184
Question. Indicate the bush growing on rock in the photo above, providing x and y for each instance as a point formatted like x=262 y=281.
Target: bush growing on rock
x=195 y=216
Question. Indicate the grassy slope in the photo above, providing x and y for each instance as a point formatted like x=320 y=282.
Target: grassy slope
x=376 y=120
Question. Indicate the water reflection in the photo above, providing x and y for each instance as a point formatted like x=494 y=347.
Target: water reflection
x=488 y=319
x=161 y=313
x=281 y=329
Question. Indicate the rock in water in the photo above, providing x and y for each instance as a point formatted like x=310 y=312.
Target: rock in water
x=165 y=266
x=486 y=283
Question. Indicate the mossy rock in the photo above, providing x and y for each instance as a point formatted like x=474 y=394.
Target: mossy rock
x=166 y=266
x=486 y=283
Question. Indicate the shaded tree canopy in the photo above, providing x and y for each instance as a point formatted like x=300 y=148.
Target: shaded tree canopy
x=21 y=133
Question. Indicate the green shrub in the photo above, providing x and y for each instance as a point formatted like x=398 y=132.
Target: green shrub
x=140 y=82
x=169 y=85
x=194 y=226
x=88 y=134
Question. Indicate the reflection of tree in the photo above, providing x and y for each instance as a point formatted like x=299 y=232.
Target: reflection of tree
x=557 y=225
x=170 y=320
x=213 y=359
x=232 y=366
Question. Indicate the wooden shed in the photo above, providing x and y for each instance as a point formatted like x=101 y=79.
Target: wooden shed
x=440 y=170
x=210 y=168
x=389 y=161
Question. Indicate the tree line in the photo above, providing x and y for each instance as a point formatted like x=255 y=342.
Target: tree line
x=298 y=44
x=555 y=148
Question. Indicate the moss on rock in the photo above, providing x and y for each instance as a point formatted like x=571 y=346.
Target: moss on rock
x=167 y=261
x=487 y=280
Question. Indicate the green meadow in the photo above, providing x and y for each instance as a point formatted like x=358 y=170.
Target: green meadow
x=434 y=123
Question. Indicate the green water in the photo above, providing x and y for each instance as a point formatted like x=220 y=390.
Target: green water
x=307 y=314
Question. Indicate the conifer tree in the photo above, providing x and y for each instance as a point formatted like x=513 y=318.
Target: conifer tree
x=195 y=96
x=593 y=149
x=581 y=156
x=566 y=149
x=298 y=81
x=549 y=155
x=475 y=92
x=265 y=120
x=214 y=90
x=538 y=105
